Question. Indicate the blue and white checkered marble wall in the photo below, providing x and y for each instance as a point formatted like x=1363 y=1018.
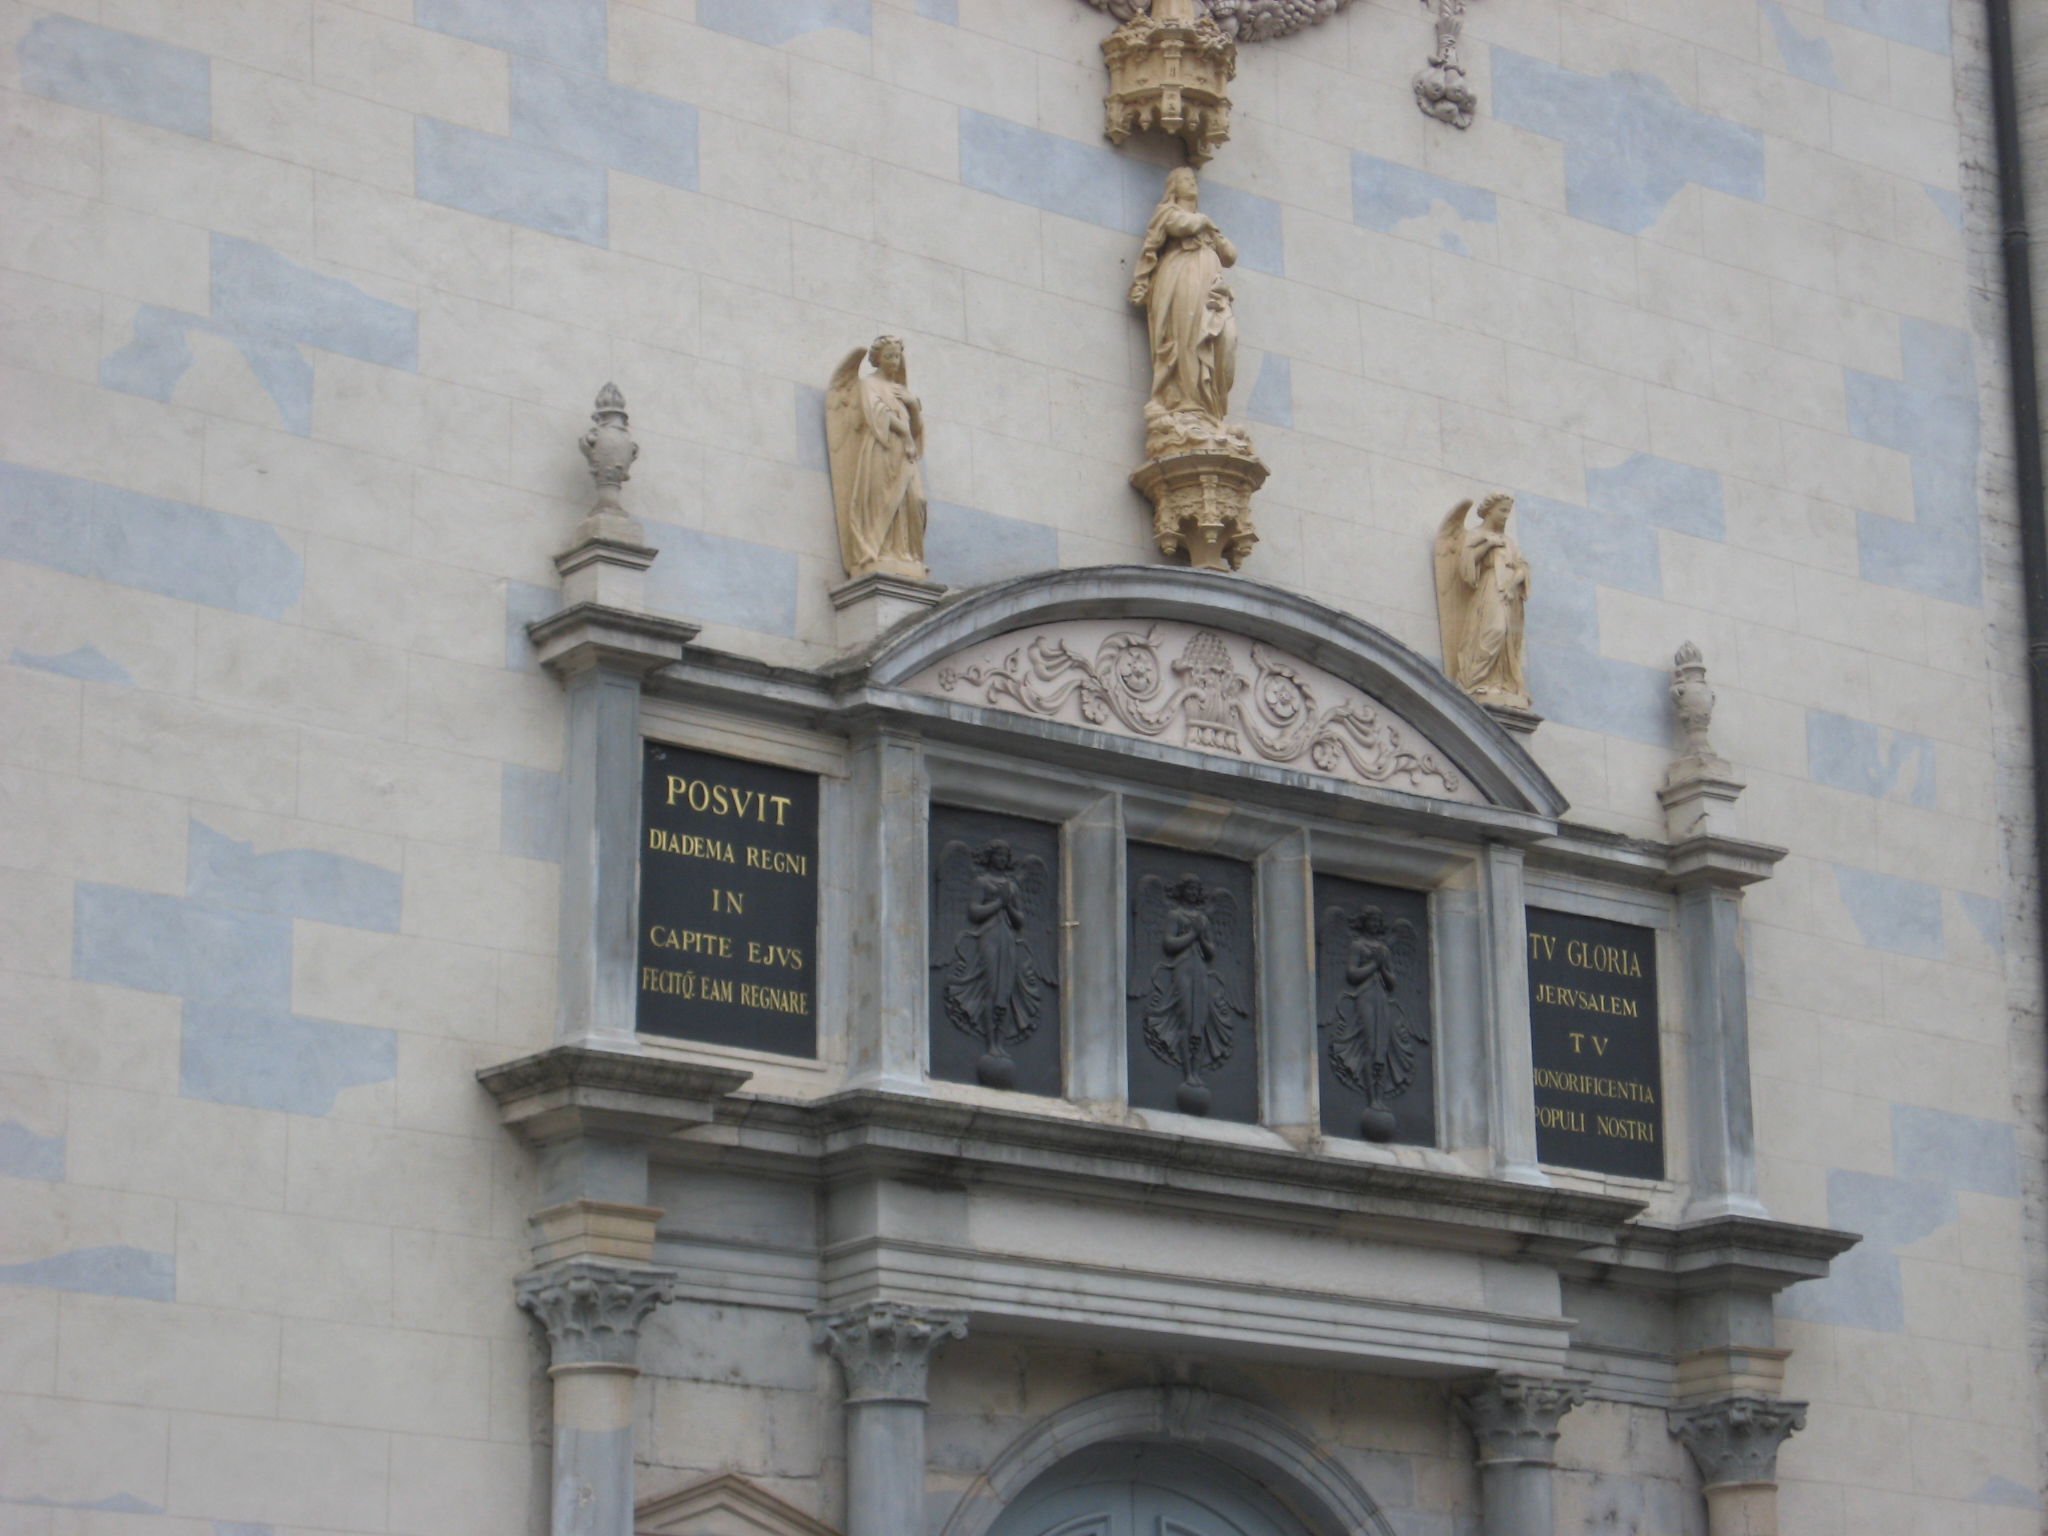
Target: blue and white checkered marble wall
x=302 y=303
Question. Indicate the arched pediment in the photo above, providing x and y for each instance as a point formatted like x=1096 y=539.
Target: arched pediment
x=1219 y=665
x=724 y=1506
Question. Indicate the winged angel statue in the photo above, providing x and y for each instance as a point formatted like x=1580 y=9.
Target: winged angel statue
x=1374 y=1042
x=1190 y=1013
x=994 y=985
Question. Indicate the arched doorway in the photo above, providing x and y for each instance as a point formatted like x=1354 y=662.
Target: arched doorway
x=1131 y=1488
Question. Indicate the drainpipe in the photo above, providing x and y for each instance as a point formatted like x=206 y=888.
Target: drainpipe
x=2026 y=419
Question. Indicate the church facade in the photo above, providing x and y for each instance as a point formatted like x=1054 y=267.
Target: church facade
x=1007 y=767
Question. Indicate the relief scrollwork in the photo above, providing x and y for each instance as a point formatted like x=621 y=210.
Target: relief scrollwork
x=1207 y=698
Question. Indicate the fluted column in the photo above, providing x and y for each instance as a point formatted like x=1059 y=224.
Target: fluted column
x=1734 y=1441
x=593 y=1314
x=1514 y=1420
x=885 y=1348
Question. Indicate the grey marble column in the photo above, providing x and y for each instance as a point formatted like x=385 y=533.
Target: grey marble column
x=1287 y=1003
x=885 y=1349
x=593 y=1314
x=1507 y=1013
x=1734 y=1441
x=1514 y=1421
x=1093 y=860
x=888 y=962
x=1723 y=1133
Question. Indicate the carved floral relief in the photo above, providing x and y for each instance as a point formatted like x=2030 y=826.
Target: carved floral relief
x=1198 y=688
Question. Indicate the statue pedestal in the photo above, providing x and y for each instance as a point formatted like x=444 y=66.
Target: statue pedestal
x=1202 y=504
x=1521 y=721
x=869 y=605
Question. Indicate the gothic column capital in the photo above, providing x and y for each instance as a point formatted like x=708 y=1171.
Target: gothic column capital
x=1736 y=1439
x=885 y=1347
x=1515 y=1418
x=593 y=1311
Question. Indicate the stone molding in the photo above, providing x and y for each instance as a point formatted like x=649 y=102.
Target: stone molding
x=696 y=1507
x=1515 y=1419
x=1273 y=1450
x=593 y=1311
x=586 y=635
x=886 y=1347
x=1736 y=1439
x=572 y=1090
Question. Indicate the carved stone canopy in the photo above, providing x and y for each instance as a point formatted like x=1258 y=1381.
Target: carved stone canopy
x=1159 y=663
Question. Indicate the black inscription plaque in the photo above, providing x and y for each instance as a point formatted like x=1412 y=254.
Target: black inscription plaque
x=1374 y=1018
x=995 y=1006
x=1192 y=1015
x=1593 y=1019
x=728 y=902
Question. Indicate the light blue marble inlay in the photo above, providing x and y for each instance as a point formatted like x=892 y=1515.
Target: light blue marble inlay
x=1598 y=693
x=2005 y=1490
x=629 y=130
x=256 y=289
x=174 y=944
x=119 y=1504
x=1810 y=58
x=1844 y=753
x=779 y=21
x=1891 y=912
x=169 y=547
x=1987 y=916
x=293 y=882
x=1630 y=143
x=570 y=32
x=717 y=580
x=811 y=449
x=1950 y=204
x=24 y=1154
x=103 y=70
x=161 y=352
x=967 y=547
x=1564 y=610
x=1958 y=1151
x=947 y=11
x=1386 y=194
x=266 y=1059
x=112 y=1270
x=1605 y=547
x=1932 y=414
x=531 y=813
x=1252 y=222
x=1272 y=397
x=1922 y=23
x=1675 y=496
x=505 y=179
x=87 y=662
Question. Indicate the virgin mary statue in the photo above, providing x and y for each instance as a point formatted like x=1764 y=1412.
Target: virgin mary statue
x=1188 y=313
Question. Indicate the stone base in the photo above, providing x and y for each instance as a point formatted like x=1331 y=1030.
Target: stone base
x=870 y=605
x=1202 y=504
x=1516 y=717
x=1699 y=799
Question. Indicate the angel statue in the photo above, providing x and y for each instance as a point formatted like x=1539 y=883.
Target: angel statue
x=1482 y=587
x=1188 y=317
x=874 y=434
x=1373 y=1042
x=1190 y=1015
x=994 y=984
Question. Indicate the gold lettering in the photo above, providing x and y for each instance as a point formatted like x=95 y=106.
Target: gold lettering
x=1624 y=1130
x=775 y=954
x=776 y=862
x=1542 y=946
x=728 y=901
x=727 y=800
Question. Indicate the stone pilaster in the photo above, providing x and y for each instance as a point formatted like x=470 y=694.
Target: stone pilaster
x=1734 y=1441
x=885 y=1349
x=1514 y=1421
x=593 y=1313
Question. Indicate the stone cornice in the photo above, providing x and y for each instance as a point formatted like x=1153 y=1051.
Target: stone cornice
x=1752 y=1253
x=589 y=634
x=573 y=1089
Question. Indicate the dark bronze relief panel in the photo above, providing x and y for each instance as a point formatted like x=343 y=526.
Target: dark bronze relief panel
x=1191 y=1017
x=995 y=949
x=1374 y=1012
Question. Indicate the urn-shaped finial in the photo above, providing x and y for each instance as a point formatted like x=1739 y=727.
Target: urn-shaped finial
x=609 y=448
x=1693 y=699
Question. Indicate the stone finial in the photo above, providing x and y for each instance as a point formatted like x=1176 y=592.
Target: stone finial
x=886 y=1347
x=593 y=1311
x=1516 y=1418
x=609 y=449
x=1440 y=89
x=1700 y=788
x=1736 y=1439
x=1170 y=70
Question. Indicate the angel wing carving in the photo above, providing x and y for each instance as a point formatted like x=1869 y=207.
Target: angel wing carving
x=1375 y=1027
x=988 y=905
x=1189 y=1007
x=1450 y=604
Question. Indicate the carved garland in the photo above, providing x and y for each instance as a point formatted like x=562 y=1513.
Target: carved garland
x=1274 y=715
x=1248 y=21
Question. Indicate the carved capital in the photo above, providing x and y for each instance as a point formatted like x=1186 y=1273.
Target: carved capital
x=886 y=1347
x=1736 y=1439
x=592 y=1311
x=1515 y=1418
